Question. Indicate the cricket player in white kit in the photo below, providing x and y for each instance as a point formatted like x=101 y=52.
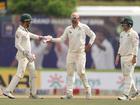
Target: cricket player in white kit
x=128 y=50
x=76 y=57
x=24 y=56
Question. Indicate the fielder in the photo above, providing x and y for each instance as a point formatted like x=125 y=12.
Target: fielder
x=128 y=50
x=24 y=57
x=76 y=57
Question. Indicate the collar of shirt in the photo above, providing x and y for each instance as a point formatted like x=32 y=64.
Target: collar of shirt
x=78 y=26
x=128 y=31
x=21 y=27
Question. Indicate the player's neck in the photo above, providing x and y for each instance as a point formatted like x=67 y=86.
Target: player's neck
x=23 y=25
x=74 y=25
x=126 y=30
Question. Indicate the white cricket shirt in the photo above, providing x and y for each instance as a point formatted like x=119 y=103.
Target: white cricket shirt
x=22 y=40
x=76 y=37
x=129 y=42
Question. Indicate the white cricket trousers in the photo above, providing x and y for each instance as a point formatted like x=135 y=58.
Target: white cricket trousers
x=128 y=71
x=23 y=63
x=76 y=62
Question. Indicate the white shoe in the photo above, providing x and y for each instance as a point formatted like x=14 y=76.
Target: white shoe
x=88 y=94
x=124 y=98
x=133 y=96
x=1 y=91
x=66 y=97
x=8 y=94
x=35 y=96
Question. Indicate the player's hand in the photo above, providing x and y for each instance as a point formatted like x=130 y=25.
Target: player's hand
x=47 y=39
x=31 y=57
x=41 y=37
x=87 y=48
x=133 y=60
x=25 y=53
x=117 y=59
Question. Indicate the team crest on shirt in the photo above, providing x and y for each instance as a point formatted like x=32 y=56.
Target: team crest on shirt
x=70 y=31
x=17 y=36
x=128 y=35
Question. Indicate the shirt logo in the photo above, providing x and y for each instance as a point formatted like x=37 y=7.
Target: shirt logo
x=70 y=32
x=128 y=35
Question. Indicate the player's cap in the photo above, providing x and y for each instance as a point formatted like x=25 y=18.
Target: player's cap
x=127 y=20
x=25 y=17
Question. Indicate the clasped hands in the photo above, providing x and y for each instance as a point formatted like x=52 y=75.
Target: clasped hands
x=47 y=38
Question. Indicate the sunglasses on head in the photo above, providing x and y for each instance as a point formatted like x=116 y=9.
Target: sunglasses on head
x=74 y=17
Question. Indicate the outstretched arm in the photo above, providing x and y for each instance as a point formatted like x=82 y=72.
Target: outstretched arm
x=62 y=38
x=34 y=36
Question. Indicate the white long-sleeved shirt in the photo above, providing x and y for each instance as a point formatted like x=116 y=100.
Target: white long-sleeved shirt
x=22 y=40
x=76 y=37
x=129 y=42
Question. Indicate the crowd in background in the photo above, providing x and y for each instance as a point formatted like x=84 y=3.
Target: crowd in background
x=101 y=55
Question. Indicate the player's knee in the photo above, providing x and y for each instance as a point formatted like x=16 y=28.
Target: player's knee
x=33 y=74
x=70 y=73
x=80 y=74
x=19 y=75
x=126 y=73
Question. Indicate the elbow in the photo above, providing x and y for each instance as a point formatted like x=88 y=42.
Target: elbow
x=16 y=46
x=94 y=36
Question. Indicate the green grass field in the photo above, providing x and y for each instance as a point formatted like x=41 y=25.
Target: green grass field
x=75 y=101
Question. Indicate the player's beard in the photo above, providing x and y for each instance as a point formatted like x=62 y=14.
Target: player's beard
x=28 y=25
x=126 y=28
x=74 y=23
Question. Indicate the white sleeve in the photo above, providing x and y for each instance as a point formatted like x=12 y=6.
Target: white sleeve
x=33 y=36
x=119 y=50
x=91 y=34
x=56 y=40
x=135 y=41
x=18 y=39
x=61 y=38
